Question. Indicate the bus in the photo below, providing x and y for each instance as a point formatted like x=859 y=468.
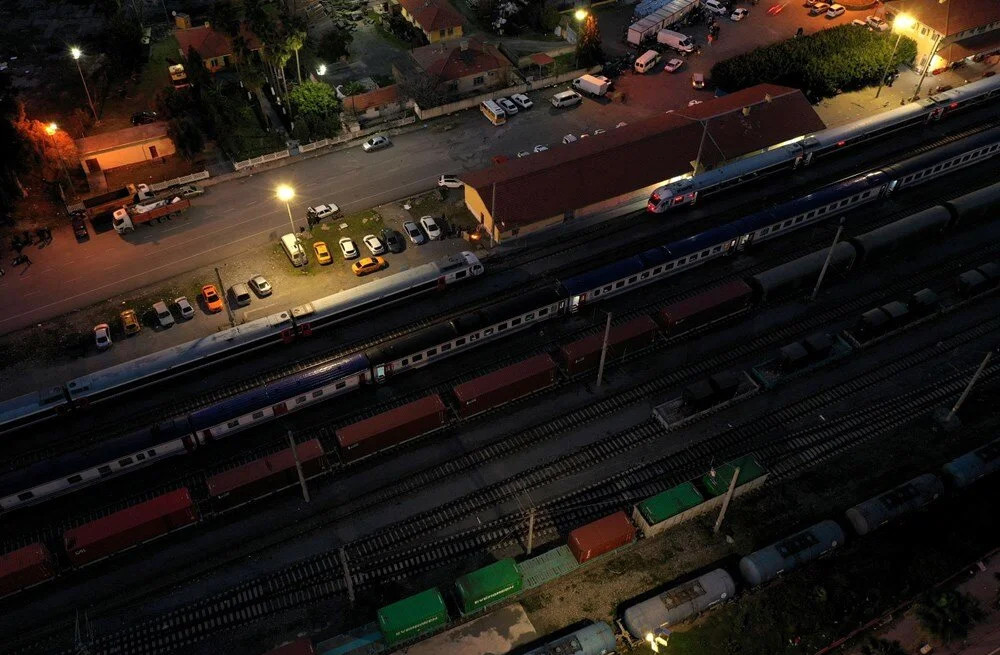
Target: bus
x=493 y=112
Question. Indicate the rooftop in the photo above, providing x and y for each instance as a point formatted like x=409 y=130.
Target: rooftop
x=950 y=17
x=432 y=15
x=120 y=138
x=377 y=98
x=648 y=152
x=210 y=43
x=458 y=58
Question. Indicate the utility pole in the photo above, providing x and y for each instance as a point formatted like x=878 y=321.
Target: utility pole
x=531 y=528
x=885 y=73
x=968 y=388
x=604 y=350
x=347 y=575
x=725 y=501
x=298 y=466
x=829 y=256
x=930 y=62
x=493 y=216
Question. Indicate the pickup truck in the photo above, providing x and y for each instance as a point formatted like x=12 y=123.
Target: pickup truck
x=126 y=218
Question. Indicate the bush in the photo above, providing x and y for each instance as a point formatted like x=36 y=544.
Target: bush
x=948 y=615
x=316 y=111
x=334 y=45
x=845 y=58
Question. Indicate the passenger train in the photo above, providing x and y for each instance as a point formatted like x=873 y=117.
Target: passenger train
x=378 y=364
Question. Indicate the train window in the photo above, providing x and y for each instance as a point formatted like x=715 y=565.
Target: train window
x=459 y=275
x=474 y=336
x=341 y=385
x=515 y=321
x=596 y=293
x=529 y=317
x=417 y=358
x=27 y=495
x=619 y=284
x=151 y=452
x=633 y=279
x=300 y=400
x=657 y=270
x=257 y=415
x=487 y=332
x=140 y=457
x=317 y=393
x=644 y=275
x=668 y=266
x=501 y=327
x=704 y=253
x=460 y=342
x=104 y=470
x=124 y=461
x=73 y=479
x=821 y=211
x=445 y=347
x=717 y=249
x=432 y=352
x=543 y=311
x=680 y=262
x=799 y=219
x=693 y=257
x=233 y=424
x=787 y=223
x=811 y=214
x=607 y=289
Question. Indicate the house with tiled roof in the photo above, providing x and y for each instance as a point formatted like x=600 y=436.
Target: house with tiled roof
x=461 y=66
x=437 y=19
x=615 y=172
x=947 y=32
x=375 y=104
x=214 y=47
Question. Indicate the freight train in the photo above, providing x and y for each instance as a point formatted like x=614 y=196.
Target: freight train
x=300 y=321
x=183 y=434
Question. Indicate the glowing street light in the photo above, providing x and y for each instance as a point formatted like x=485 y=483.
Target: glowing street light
x=580 y=14
x=51 y=130
x=900 y=23
x=285 y=194
x=321 y=70
x=77 y=53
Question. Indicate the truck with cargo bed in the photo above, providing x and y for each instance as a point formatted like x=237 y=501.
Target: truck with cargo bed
x=126 y=196
x=595 y=85
x=125 y=219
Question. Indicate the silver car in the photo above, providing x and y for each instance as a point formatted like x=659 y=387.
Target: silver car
x=261 y=286
x=184 y=307
x=376 y=143
x=412 y=231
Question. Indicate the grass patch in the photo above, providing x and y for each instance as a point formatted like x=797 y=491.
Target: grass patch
x=154 y=73
x=564 y=63
x=454 y=210
x=359 y=225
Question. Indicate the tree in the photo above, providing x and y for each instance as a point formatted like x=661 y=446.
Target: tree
x=123 y=37
x=186 y=137
x=588 y=43
x=315 y=106
x=226 y=17
x=876 y=646
x=948 y=615
x=294 y=40
x=334 y=45
x=13 y=152
x=50 y=151
x=423 y=90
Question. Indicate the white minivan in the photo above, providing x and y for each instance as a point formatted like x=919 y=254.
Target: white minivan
x=566 y=99
x=647 y=61
x=296 y=253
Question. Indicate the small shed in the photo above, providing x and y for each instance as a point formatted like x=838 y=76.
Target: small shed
x=133 y=145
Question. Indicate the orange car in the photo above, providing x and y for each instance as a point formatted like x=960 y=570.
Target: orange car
x=368 y=265
x=213 y=302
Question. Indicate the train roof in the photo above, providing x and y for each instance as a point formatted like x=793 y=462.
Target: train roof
x=177 y=356
x=821 y=196
x=411 y=343
x=874 y=123
x=30 y=403
x=939 y=153
x=738 y=167
x=985 y=86
x=595 y=278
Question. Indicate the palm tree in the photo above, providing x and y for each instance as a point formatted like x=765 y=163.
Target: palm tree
x=294 y=40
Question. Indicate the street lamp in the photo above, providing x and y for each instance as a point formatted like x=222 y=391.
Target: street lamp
x=580 y=14
x=900 y=23
x=285 y=194
x=51 y=130
x=321 y=70
x=76 y=53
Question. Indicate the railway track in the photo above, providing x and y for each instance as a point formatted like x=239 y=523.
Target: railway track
x=322 y=577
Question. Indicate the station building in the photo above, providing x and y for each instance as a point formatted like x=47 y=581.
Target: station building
x=948 y=32
x=615 y=172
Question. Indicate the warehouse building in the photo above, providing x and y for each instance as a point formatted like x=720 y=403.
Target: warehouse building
x=615 y=172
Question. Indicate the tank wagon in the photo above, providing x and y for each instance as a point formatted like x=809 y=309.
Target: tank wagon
x=908 y=497
x=768 y=563
x=970 y=467
x=594 y=639
x=679 y=603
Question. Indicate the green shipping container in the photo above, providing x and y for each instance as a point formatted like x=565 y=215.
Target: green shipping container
x=749 y=470
x=488 y=585
x=670 y=503
x=413 y=616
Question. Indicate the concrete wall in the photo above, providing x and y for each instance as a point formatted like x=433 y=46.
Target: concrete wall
x=133 y=154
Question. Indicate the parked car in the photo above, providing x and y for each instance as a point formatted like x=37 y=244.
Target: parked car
x=673 y=65
x=322 y=253
x=412 y=231
x=374 y=244
x=144 y=117
x=368 y=265
x=213 y=301
x=376 y=143
x=450 y=181
x=190 y=191
x=876 y=23
x=835 y=10
x=698 y=80
x=163 y=315
x=818 y=9
x=319 y=212
x=431 y=227
x=241 y=294
x=522 y=154
x=79 y=220
x=857 y=22
x=348 y=248
x=507 y=106
x=599 y=130
x=184 y=307
x=569 y=138
x=102 y=336
x=522 y=101
x=393 y=240
x=261 y=286
x=739 y=14
x=130 y=322
x=540 y=148
x=621 y=124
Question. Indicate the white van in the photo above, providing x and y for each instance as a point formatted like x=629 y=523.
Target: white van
x=566 y=99
x=675 y=40
x=715 y=7
x=296 y=253
x=647 y=61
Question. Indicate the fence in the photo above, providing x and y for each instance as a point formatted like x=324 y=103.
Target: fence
x=532 y=85
x=351 y=136
x=263 y=159
x=177 y=181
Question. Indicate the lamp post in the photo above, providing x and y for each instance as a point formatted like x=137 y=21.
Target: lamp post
x=76 y=53
x=937 y=43
x=901 y=22
x=51 y=130
x=285 y=194
x=580 y=15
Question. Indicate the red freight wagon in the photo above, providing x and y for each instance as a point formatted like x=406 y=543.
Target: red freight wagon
x=601 y=536
x=129 y=527
x=265 y=475
x=585 y=353
x=24 y=568
x=706 y=307
x=391 y=428
x=505 y=385
x=298 y=647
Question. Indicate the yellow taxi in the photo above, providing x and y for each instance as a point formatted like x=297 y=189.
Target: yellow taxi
x=368 y=265
x=130 y=322
x=322 y=253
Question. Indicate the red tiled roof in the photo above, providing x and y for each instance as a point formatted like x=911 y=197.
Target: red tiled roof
x=542 y=59
x=432 y=15
x=950 y=17
x=448 y=61
x=376 y=98
x=569 y=177
x=209 y=43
